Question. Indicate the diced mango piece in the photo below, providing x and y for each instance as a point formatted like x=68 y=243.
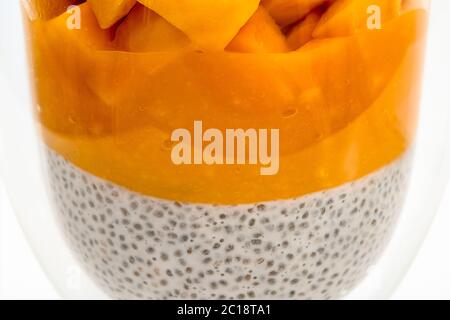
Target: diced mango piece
x=345 y=17
x=210 y=24
x=78 y=27
x=286 y=12
x=144 y=31
x=260 y=34
x=46 y=9
x=110 y=11
x=302 y=32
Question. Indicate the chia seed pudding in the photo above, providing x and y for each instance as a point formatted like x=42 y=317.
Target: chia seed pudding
x=317 y=246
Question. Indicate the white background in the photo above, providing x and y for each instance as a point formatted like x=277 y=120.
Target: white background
x=21 y=277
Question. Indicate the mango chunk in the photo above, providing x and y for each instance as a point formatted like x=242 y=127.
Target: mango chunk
x=46 y=9
x=145 y=31
x=210 y=24
x=345 y=17
x=260 y=35
x=111 y=11
x=302 y=32
x=286 y=12
x=78 y=28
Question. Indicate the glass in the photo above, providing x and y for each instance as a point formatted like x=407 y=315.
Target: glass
x=266 y=156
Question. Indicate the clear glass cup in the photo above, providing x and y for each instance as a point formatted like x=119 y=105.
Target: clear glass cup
x=265 y=157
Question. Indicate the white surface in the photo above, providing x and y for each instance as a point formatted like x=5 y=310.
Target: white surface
x=21 y=277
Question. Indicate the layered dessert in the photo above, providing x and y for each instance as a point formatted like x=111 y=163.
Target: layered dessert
x=337 y=80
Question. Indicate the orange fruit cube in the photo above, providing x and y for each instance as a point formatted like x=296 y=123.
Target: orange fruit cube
x=260 y=34
x=210 y=24
x=111 y=11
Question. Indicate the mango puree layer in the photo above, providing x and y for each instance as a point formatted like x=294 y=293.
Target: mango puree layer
x=345 y=107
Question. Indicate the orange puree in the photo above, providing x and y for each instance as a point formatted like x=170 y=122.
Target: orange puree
x=345 y=105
